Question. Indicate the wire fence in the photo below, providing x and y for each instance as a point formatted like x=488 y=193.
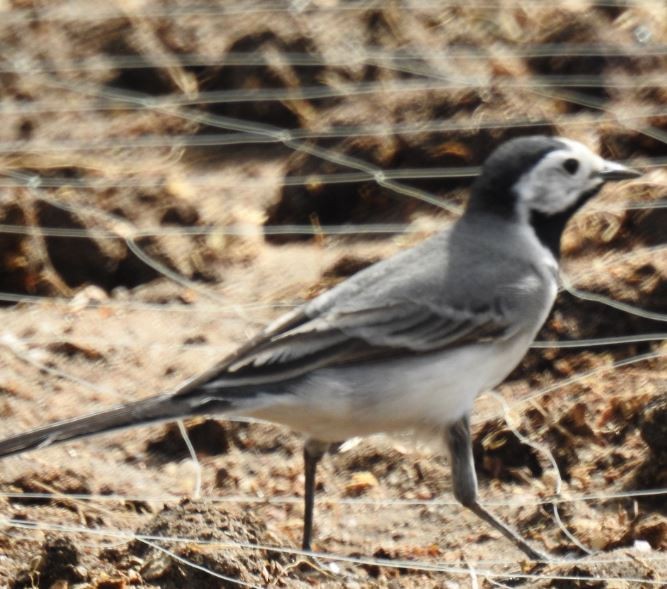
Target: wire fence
x=84 y=144
x=73 y=13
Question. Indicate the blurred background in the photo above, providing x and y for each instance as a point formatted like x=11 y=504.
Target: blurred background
x=173 y=175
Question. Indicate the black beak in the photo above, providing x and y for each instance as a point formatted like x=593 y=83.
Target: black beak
x=613 y=171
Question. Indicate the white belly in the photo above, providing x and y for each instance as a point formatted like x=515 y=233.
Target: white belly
x=335 y=404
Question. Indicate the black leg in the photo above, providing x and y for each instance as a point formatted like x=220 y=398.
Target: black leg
x=313 y=451
x=464 y=479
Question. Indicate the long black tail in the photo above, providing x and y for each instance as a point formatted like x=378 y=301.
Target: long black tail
x=154 y=409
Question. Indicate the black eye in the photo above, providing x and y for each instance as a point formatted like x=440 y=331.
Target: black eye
x=571 y=166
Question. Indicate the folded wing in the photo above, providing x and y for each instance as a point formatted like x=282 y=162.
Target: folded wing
x=355 y=335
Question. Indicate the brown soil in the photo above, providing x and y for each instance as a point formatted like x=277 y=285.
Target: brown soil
x=122 y=315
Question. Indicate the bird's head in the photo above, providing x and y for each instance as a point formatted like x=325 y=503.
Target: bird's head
x=544 y=181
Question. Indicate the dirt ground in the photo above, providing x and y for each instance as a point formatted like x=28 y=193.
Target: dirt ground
x=153 y=218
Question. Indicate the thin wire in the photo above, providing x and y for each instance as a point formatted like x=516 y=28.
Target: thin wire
x=16 y=347
x=44 y=106
x=351 y=502
x=609 y=302
x=130 y=305
x=134 y=305
x=589 y=101
x=623 y=258
x=498 y=584
x=298 y=180
x=588 y=374
x=231 y=139
x=538 y=344
x=126 y=230
x=379 y=175
x=236 y=96
x=227 y=308
x=81 y=12
x=544 y=450
x=602 y=341
x=196 y=566
x=46 y=182
x=428 y=173
x=240 y=230
x=129 y=535
x=359 y=56
x=557 y=562
x=413 y=565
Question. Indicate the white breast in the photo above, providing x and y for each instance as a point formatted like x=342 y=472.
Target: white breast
x=339 y=403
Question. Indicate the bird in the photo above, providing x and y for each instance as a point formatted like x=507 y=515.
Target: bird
x=408 y=343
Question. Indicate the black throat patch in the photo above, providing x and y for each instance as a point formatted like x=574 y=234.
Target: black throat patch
x=549 y=228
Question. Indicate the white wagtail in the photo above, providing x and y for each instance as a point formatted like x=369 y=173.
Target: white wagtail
x=408 y=343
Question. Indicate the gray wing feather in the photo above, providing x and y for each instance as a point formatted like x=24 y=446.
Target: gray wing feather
x=342 y=337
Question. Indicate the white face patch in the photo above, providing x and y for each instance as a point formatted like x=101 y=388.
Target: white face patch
x=560 y=178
